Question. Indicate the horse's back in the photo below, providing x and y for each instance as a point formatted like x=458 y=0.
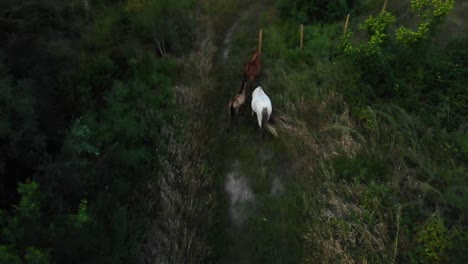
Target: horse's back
x=260 y=101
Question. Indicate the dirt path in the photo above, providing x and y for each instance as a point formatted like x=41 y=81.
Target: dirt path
x=258 y=226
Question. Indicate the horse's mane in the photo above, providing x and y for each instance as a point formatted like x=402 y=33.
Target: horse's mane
x=242 y=88
x=256 y=57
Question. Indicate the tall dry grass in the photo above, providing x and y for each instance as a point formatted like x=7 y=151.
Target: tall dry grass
x=184 y=214
x=185 y=189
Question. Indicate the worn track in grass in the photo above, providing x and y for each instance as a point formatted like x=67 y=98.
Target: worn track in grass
x=257 y=206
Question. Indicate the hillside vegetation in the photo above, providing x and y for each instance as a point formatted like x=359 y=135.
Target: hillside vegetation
x=378 y=116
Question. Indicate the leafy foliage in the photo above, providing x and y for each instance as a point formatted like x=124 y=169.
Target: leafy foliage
x=84 y=100
x=434 y=240
x=432 y=13
x=22 y=228
x=377 y=27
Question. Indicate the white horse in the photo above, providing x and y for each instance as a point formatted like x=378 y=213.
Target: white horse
x=261 y=105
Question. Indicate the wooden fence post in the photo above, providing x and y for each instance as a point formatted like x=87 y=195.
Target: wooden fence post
x=301 y=37
x=346 y=24
x=384 y=6
x=260 y=36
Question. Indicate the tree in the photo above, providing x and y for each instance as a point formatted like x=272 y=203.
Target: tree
x=27 y=232
x=431 y=13
x=167 y=22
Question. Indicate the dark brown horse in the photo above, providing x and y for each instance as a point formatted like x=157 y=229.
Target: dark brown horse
x=252 y=69
x=236 y=102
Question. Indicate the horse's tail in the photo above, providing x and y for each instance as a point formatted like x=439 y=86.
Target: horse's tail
x=264 y=116
x=232 y=110
x=265 y=123
x=271 y=129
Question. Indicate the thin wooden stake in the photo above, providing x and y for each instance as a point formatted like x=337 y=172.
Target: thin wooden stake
x=302 y=37
x=260 y=40
x=384 y=6
x=346 y=24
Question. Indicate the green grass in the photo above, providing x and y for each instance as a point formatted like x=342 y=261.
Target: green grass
x=278 y=223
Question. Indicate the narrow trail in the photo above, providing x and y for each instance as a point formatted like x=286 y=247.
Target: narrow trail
x=256 y=175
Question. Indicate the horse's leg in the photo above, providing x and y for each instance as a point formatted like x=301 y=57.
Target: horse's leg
x=248 y=92
x=229 y=118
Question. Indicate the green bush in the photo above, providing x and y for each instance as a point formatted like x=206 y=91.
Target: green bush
x=30 y=231
x=377 y=198
x=434 y=241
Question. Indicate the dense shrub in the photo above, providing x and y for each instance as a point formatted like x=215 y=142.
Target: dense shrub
x=85 y=97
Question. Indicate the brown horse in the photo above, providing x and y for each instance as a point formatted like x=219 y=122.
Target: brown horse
x=235 y=103
x=252 y=69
